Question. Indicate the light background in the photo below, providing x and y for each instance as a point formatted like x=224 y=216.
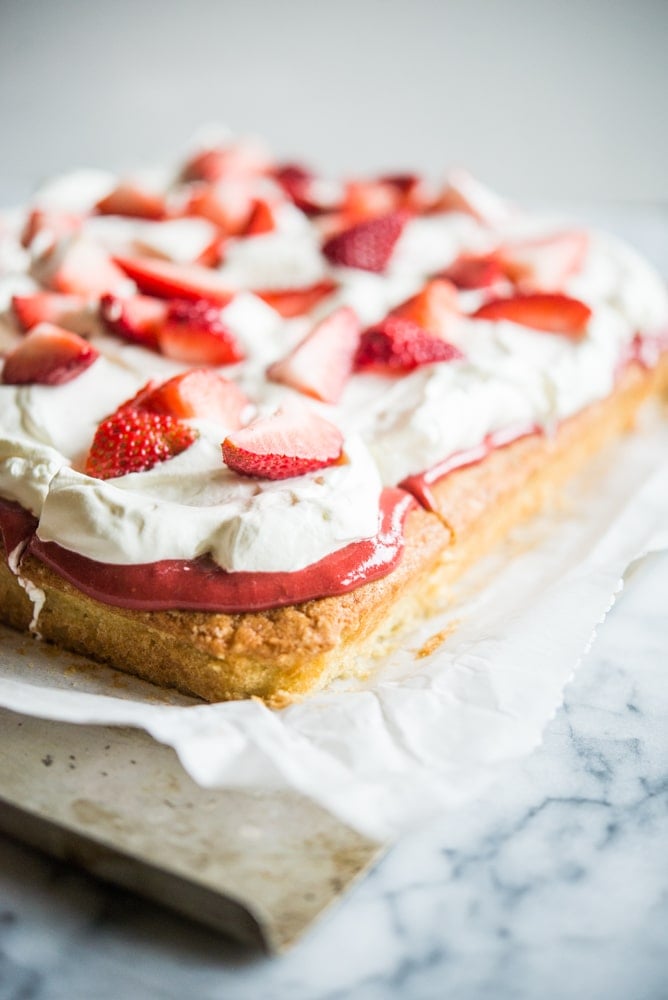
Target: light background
x=539 y=98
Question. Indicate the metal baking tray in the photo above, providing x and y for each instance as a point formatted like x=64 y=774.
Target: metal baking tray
x=259 y=867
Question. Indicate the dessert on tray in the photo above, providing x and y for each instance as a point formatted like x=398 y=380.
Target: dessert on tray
x=253 y=421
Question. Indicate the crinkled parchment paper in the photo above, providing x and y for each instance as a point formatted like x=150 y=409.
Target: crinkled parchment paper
x=428 y=730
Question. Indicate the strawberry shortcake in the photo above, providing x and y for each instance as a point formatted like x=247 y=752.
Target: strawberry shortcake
x=254 y=420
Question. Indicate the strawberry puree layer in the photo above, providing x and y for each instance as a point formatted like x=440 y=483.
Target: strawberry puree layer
x=16 y=525
x=201 y=585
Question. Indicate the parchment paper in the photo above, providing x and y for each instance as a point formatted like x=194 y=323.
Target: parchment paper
x=430 y=729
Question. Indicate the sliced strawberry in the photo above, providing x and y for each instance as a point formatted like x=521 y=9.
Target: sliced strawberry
x=199 y=392
x=51 y=307
x=287 y=443
x=136 y=402
x=242 y=158
x=399 y=345
x=134 y=441
x=369 y=199
x=303 y=188
x=194 y=333
x=51 y=223
x=470 y=271
x=296 y=182
x=297 y=301
x=367 y=245
x=214 y=254
x=262 y=218
x=544 y=264
x=137 y=318
x=168 y=280
x=411 y=188
x=463 y=193
x=132 y=200
x=435 y=308
x=84 y=268
x=206 y=165
x=48 y=355
x=320 y=365
x=228 y=204
x=552 y=313
x=330 y=224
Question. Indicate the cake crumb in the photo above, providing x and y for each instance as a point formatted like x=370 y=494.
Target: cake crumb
x=436 y=640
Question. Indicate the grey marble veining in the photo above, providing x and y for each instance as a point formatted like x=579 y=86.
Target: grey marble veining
x=555 y=886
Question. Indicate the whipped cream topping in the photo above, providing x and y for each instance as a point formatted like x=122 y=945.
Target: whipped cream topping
x=289 y=257
x=181 y=240
x=26 y=471
x=65 y=417
x=193 y=505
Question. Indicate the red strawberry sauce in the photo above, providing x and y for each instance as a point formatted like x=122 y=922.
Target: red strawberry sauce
x=201 y=585
x=16 y=524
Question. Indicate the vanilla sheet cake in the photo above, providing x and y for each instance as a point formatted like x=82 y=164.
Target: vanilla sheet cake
x=253 y=421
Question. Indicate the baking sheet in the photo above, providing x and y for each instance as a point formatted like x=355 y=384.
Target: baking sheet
x=260 y=867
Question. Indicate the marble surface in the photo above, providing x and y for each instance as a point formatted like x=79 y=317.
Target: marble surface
x=555 y=886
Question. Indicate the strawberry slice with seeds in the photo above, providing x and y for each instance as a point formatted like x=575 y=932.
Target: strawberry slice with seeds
x=398 y=345
x=135 y=441
x=130 y=199
x=289 y=302
x=320 y=365
x=553 y=313
x=51 y=307
x=168 y=280
x=435 y=307
x=48 y=355
x=470 y=271
x=198 y=393
x=84 y=268
x=367 y=245
x=193 y=332
x=544 y=264
x=290 y=442
x=136 y=319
